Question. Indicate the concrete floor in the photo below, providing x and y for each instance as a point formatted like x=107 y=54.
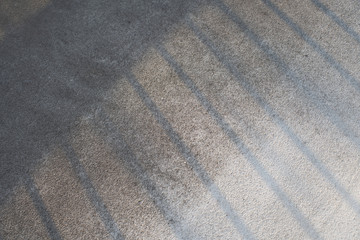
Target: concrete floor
x=147 y=119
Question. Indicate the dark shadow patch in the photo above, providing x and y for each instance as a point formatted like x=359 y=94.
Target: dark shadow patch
x=60 y=63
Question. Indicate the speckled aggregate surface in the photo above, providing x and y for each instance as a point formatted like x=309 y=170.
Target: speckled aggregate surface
x=218 y=119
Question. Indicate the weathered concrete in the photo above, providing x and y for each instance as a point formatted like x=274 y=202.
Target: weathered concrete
x=216 y=119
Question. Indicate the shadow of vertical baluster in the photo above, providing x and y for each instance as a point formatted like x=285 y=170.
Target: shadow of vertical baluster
x=332 y=116
x=241 y=147
x=92 y=194
x=191 y=160
x=268 y=109
x=40 y=207
x=108 y=130
x=325 y=55
x=337 y=20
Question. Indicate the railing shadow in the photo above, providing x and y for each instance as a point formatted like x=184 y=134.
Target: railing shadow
x=355 y=83
x=345 y=27
x=92 y=193
x=41 y=208
x=321 y=105
x=55 y=67
x=109 y=131
x=268 y=109
x=240 y=145
x=186 y=152
x=60 y=63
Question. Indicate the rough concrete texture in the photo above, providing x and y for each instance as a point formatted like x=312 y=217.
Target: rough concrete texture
x=208 y=119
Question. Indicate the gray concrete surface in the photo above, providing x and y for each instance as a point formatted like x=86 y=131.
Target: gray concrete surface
x=216 y=119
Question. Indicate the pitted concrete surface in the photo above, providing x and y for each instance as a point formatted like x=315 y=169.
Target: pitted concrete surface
x=216 y=119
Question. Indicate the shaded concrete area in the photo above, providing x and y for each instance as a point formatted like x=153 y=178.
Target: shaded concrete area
x=216 y=119
x=57 y=66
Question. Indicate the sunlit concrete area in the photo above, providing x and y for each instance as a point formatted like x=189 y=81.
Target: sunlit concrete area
x=205 y=119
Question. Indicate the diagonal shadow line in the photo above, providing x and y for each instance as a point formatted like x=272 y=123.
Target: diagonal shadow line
x=325 y=55
x=241 y=147
x=201 y=173
x=41 y=208
x=326 y=110
x=268 y=109
x=337 y=20
x=107 y=128
x=92 y=194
